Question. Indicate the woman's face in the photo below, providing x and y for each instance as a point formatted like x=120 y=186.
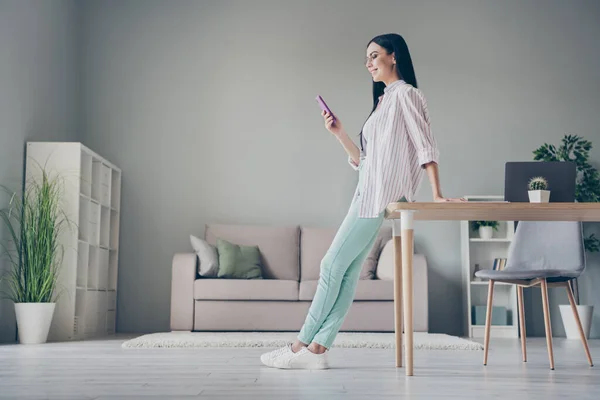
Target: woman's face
x=380 y=64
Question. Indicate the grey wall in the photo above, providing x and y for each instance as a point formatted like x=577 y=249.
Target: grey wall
x=39 y=91
x=208 y=107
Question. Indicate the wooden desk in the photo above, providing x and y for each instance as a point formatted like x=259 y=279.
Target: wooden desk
x=403 y=214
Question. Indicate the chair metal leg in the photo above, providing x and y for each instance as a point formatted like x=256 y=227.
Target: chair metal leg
x=488 y=321
x=544 y=285
x=522 y=322
x=578 y=320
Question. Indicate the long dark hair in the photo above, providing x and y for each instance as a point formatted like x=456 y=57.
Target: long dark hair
x=392 y=43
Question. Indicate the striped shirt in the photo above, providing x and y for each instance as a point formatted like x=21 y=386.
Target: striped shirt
x=397 y=142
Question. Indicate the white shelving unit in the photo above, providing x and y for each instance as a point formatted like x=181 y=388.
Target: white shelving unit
x=482 y=252
x=91 y=200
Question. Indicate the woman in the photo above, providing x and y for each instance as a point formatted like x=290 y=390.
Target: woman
x=397 y=146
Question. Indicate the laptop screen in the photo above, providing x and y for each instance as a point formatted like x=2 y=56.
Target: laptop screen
x=561 y=177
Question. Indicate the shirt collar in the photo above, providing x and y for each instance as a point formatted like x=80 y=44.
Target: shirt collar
x=393 y=85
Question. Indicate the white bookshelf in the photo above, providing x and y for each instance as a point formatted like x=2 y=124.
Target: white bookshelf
x=482 y=252
x=88 y=275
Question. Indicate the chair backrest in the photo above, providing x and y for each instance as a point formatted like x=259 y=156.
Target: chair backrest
x=556 y=245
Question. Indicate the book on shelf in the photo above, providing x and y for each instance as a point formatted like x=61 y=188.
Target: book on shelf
x=499 y=264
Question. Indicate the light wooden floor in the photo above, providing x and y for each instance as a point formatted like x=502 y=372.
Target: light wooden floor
x=101 y=369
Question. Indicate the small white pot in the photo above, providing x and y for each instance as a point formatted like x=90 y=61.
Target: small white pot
x=486 y=232
x=33 y=321
x=568 y=319
x=539 y=196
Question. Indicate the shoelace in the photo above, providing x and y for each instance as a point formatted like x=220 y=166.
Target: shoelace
x=280 y=351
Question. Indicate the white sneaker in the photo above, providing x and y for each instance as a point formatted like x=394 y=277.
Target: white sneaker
x=268 y=358
x=304 y=359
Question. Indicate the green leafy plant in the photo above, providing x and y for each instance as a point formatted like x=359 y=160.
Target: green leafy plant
x=34 y=221
x=476 y=224
x=538 y=183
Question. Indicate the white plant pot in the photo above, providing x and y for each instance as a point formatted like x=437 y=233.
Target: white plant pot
x=568 y=319
x=486 y=232
x=539 y=196
x=33 y=321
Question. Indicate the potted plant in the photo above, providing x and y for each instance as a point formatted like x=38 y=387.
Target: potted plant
x=34 y=221
x=485 y=228
x=538 y=190
x=576 y=149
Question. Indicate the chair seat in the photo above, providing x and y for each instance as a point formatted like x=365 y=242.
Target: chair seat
x=511 y=274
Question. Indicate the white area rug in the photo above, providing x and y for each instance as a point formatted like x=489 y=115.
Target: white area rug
x=421 y=341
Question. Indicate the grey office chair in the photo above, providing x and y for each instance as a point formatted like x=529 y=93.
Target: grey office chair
x=544 y=254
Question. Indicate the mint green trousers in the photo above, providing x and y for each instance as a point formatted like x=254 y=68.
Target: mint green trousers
x=340 y=271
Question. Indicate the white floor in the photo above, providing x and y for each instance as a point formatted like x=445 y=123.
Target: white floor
x=101 y=369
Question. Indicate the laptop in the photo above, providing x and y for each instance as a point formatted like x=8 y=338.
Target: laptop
x=561 y=177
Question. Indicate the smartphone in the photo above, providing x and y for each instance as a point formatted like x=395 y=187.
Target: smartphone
x=324 y=106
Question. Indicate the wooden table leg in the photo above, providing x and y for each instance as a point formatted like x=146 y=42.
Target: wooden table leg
x=397 y=290
x=406 y=222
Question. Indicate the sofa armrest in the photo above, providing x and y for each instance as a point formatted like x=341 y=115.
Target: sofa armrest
x=183 y=276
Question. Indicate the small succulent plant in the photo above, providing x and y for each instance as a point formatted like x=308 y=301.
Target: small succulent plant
x=477 y=224
x=538 y=183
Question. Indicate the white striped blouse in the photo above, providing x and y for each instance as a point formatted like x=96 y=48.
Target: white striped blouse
x=397 y=142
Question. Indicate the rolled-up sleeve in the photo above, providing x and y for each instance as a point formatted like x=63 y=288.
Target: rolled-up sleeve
x=352 y=164
x=415 y=117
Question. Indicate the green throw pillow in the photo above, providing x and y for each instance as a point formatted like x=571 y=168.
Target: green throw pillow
x=238 y=262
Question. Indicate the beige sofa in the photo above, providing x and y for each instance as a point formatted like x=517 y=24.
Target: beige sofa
x=279 y=302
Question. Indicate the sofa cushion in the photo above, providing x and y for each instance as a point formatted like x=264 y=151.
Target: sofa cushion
x=244 y=289
x=238 y=262
x=316 y=241
x=278 y=245
x=366 y=289
x=208 y=259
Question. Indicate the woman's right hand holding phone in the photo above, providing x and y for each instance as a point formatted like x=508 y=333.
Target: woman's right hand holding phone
x=337 y=130
x=334 y=127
